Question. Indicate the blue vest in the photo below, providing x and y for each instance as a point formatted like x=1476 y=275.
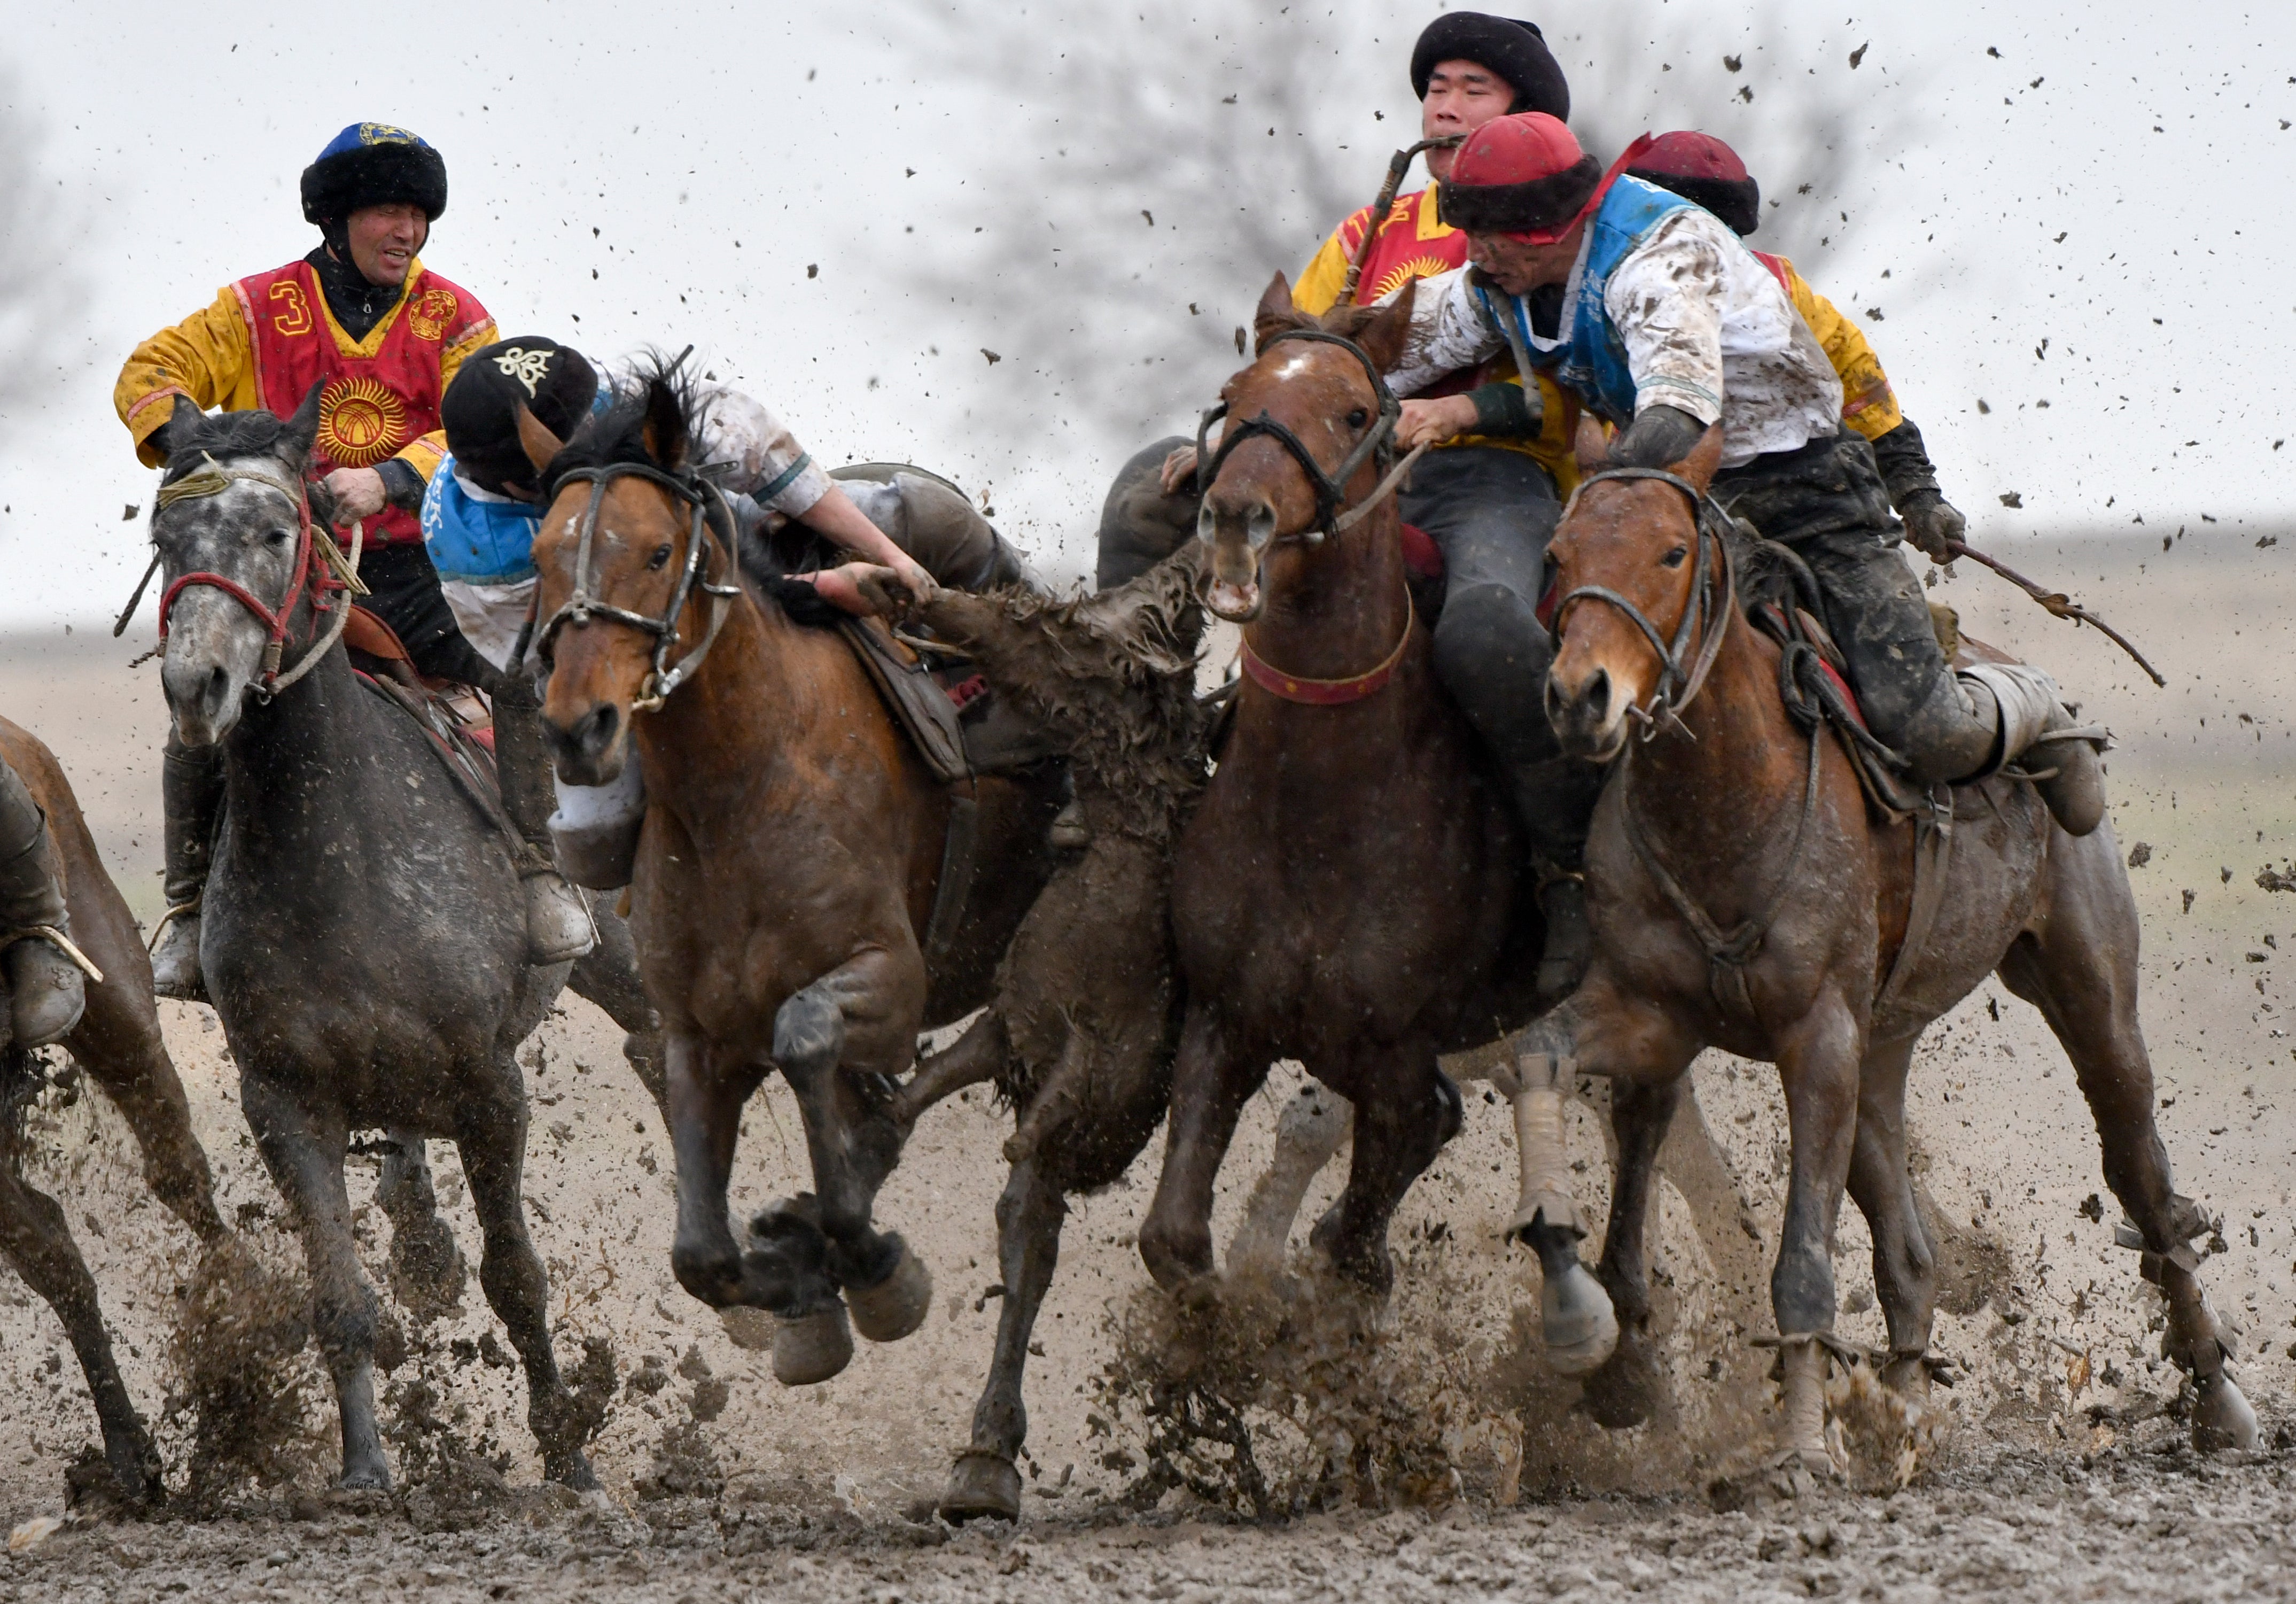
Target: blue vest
x=1592 y=364
x=474 y=541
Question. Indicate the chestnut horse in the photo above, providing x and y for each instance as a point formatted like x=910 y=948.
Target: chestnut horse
x=1352 y=889
x=786 y=870
x=1786 y=926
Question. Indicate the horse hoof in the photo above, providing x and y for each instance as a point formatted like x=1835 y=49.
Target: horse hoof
x=367 y=1479
x=751 y=1329
x=981 y=1487
x=812 y=1347
x=570 y=1470
x=1623 y=1393
x=2221 y=1417
x=1577 y=1323
x=895 y=1306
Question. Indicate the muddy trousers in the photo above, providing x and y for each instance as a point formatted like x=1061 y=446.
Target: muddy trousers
x=1491 y=513
x=1827 y=503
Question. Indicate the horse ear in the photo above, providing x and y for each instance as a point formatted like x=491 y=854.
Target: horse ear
x=1590 y=445
x=665 y=427
x=301 y=429
x=1704 y=457
x=185 y=417
x=1275 y=312
x=540 y=445
x=1382 y=334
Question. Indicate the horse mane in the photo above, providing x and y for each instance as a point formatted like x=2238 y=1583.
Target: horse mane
x=655 y=391
x=228 y=435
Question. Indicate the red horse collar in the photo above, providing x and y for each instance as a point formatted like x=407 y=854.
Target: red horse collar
x=1330 y=693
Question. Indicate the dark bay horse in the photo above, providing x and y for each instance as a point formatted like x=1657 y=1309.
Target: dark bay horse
x=117 y=1042
x=1352 y=891
x=362 y=933
x=785 y=874
x=1742 y=897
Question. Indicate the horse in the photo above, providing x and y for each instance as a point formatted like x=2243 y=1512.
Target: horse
x=1794 y=927
x=1353 y=890
x=1079 y=1036
x=786 y=871
x=117 y=1044
x=361 y=934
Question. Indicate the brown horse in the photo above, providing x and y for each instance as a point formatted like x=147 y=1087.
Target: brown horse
x=1786 y=926
x=787 y=866
x=117 y=1042
x=1351 y=893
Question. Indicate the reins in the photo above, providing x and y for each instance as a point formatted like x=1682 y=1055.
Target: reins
x=1333 y=516
x=581 y=606
x=321 y=569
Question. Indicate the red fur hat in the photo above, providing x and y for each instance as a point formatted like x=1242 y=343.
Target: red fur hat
x=1700 y=168
x=1522 y=175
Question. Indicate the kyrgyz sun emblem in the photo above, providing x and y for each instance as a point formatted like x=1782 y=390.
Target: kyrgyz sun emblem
x=1403 y=273
x=360 y=423
x=431 y=314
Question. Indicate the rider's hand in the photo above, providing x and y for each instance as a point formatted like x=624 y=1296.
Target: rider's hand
x=358 y=493
x=865 y=590
x=1432 y=421
x=1930 y=521
x=1179 y=470
x=920 y=584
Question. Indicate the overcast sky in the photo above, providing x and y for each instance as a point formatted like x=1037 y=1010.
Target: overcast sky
x=2114 y=183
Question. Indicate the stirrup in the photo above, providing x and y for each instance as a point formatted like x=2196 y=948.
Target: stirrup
x=552 y=909
x=57 y=938
x=187 y=910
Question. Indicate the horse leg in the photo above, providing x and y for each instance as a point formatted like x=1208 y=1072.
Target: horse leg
x=306 y=1161
x=974 y=1057
x=1211 y=1083
x=1905 y=1269
x=427 y=1271
x=1818 y=1058
x=1395 y=1138
x=608 y=975
x=1029 y=1218
x=1309 y=1133
x=707 y=1090
x=838 y=1044
x=1624 y=1388
x=492 y=1140
x=2080 y=971
x=118 y=1043
x=38 y=1246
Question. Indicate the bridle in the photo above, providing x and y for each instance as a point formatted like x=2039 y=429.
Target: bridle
x=1333 y=516
x=709 y=504
x=321 y=569
x=1378 y=444
x=1713 y=591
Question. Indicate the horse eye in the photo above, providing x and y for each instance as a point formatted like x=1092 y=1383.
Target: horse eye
x=1359 y=418
x=660 y=556
x=1673 y=559
x=280 y=537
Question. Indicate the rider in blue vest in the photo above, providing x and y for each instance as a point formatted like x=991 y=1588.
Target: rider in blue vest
x=1653 y=314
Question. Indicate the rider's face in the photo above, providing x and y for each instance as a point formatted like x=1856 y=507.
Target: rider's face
x=384 y=240
x=1462 y=97
x=1519 y=268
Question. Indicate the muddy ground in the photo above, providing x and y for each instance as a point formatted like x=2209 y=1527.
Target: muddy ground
x=2053 y=1469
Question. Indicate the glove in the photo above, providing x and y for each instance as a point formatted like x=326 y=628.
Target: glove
x=1660 y=437
x=1930 y=521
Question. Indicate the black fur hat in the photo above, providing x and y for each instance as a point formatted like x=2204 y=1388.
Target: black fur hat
x=479 y=410
x=373 y=164
x=1513 y=49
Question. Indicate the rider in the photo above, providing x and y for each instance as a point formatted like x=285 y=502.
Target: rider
x=1652 y=312
x=1700 y=168
x=362 y=317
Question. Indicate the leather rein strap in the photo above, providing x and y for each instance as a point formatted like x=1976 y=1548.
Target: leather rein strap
x=582 y=605
x=321 y=569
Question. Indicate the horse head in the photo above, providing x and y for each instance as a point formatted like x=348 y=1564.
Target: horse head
x=616 y=557
x=232 y=527
x=1312 y=396
x=1622 y=562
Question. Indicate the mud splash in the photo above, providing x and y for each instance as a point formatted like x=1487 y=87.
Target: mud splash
x=241 y=1384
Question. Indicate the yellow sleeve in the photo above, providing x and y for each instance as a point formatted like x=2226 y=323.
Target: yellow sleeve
x=1868 y=404
x=206 y=357
x=1318 y=289
x=424 y=453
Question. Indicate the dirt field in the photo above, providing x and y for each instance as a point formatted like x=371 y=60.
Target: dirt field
x=2053 y=1469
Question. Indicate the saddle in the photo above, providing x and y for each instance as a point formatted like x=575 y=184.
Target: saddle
x=460 y=729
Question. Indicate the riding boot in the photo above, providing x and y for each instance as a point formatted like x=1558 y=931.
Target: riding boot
x=557 y=927
x=1554 y=801
x=190 y=805
x=2043 y=737
x=47 y=990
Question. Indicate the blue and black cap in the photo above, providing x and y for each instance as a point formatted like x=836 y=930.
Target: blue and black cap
x=373 y=164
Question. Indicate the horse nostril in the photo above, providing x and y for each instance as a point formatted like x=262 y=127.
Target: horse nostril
x=217 y=690
x=1598 y=693
x=598 y=729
